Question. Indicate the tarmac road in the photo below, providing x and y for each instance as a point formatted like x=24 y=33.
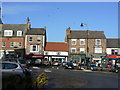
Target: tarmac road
x=59 y=78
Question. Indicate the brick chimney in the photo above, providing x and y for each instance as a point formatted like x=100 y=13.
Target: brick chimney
x=28 y=23
x=68 y=31
x=67 y=34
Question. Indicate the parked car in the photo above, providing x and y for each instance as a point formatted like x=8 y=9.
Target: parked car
x=93 y=67
x=34 y=62
x=69 y=65
x=12 y=68
x=20 y=61
x=55 y=63
x=63 y=64
x=114 y=69
x=45 y=62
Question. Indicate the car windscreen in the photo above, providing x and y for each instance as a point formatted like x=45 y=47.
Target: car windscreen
x=22 y=61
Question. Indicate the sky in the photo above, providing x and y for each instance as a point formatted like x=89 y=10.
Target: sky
x=58 y=16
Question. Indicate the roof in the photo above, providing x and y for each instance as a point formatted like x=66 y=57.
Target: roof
x=113 y=43
x=15 y=28
x=56 y=46
x=87 y=34
x=36 y=31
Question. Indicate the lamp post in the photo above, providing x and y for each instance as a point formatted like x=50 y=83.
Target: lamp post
x=87 y=51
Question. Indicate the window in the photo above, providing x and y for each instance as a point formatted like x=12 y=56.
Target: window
x=8 y=32
x=98 y=42
x=114 y=51
x=10 y=66
x=98 y=50
x=82 y=41
x=73 y=50
x=19 y=44
x=19 y=33
x=11 y=44
x=82 y=50
x=38 y=39
x=30 y=39
x=3 y=44
x=73 y=41
x=33 y=48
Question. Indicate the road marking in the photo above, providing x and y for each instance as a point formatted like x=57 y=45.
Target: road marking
x=47 y=70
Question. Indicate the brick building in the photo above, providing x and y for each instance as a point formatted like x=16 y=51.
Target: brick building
x=113 y=50
x=35 y=41
x=86 y=46
x=12 y=39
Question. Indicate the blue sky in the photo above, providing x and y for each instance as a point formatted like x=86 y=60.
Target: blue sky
x=57 y=16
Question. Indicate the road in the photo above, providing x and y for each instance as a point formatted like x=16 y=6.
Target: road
x=59 y=78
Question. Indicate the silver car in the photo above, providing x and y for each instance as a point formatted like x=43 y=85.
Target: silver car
x=11 y=69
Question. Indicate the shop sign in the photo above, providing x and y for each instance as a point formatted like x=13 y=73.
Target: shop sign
x=114 y=56
x=96 y=58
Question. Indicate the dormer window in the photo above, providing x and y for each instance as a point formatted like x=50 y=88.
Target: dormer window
x=19 y=33
x=8 y=32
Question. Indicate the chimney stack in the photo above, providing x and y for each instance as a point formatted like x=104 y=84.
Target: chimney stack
x=28 y=23
x=45 y=27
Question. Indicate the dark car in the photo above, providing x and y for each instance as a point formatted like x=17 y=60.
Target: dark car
x=69 y=65
x=93 y=67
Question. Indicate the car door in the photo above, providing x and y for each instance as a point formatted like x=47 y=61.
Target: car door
x=9 y=69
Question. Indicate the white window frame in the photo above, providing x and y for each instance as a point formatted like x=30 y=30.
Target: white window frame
x=19 y=33
x=83 y=41
x=97 y=50
x=96 y=41
x=30 y=40
x=3 y=44
x=8 y=32
x=72 y=49
x=38 y=39
x=31 y=48
x=11 y=44
x=72 y=41
x=19 y=44
x=82 y=50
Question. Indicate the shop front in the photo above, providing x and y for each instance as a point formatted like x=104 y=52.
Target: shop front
x=78 y=58
x=98 y=59
x=113 y=59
